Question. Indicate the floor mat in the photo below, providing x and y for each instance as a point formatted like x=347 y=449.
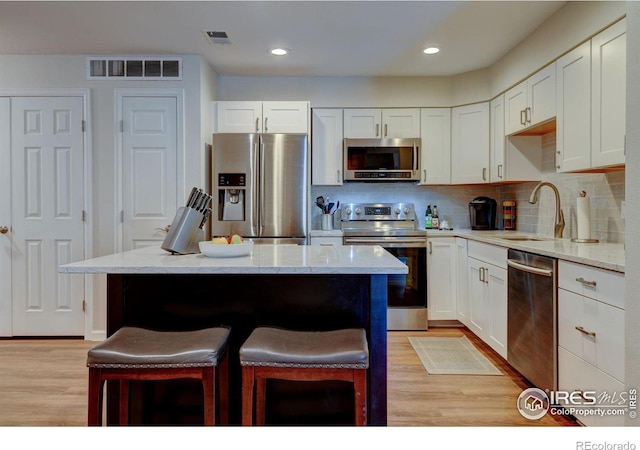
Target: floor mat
x=452 y=356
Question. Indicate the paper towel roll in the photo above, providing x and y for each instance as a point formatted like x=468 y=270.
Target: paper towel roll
x=583 y=215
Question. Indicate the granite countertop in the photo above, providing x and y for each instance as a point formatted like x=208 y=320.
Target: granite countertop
x=602 y=255
x=265 y=259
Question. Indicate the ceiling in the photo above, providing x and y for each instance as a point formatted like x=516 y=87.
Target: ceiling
x=326 y=38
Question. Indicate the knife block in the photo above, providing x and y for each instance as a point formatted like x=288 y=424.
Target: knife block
x=185 y=232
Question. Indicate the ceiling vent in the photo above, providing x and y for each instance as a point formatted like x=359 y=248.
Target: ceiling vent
x=134 y=68
x=218 y=37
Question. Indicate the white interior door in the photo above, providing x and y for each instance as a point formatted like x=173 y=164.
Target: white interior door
x=149 y=168
x=47 y=188
x=5 y=218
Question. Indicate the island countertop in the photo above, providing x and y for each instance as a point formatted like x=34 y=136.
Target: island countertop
x=265 y=259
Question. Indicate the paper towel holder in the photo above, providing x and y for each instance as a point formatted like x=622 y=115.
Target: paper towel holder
x=584 y=241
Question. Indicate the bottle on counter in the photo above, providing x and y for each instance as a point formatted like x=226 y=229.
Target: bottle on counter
x=428 y=217
x=435 y=219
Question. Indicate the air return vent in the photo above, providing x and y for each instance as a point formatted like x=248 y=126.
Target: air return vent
x=218 y=37
x=134 y=68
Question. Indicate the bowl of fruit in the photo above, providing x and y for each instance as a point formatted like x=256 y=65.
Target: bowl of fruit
x=226 y=247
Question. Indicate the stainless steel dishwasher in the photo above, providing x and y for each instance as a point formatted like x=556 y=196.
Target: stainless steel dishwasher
x=532 y=317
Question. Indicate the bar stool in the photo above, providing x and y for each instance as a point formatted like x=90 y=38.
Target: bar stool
x=303 y=356
x=133 y=353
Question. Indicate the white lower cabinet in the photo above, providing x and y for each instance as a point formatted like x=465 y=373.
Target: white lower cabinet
x=441 y=278
x=487 y=291
x=463 y=291
x=591 y=336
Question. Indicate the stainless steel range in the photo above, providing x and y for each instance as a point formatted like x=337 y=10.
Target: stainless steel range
x=394 y=226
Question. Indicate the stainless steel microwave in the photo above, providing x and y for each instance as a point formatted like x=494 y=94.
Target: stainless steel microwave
x=381 y=159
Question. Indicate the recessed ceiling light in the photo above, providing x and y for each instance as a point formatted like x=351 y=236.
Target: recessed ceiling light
x=279 y=51
x=431 y=50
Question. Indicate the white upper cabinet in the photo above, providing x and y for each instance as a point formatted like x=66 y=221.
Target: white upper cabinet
x=435 y=137
x=591 y=102
x=532 y=102
x=497 y=136
x=382 y=123
x=470 y=144
x=573 y=123
x=326 y=147
x=608 y=95
x=261 y=117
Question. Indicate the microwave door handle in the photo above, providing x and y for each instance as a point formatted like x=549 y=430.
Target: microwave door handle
x=415 y=157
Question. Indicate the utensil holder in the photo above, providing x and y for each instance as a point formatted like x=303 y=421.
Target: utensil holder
x=327 y=222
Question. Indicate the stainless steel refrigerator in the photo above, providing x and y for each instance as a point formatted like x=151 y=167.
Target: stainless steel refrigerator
x=259 y=187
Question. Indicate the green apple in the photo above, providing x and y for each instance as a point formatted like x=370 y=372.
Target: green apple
x=236 y=239
x=219 y=240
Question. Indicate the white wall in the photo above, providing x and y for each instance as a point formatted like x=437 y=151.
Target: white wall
x=632 y=243
x=566 y=29
x=339 y=92
x=29 y=73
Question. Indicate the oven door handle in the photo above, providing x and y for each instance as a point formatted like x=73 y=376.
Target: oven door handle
x=350 y=240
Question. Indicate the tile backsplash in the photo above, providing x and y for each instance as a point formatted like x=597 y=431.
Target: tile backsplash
x=606 y=190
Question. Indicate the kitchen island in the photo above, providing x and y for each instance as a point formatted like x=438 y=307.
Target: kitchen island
x=290 y=286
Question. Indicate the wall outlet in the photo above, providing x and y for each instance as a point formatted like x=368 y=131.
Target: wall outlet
x=622 y=209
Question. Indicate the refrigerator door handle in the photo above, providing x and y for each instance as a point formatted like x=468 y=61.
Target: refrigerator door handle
x=262 y=186
x=255 y=222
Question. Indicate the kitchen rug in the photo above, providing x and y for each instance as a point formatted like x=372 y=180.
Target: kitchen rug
x=451 y=356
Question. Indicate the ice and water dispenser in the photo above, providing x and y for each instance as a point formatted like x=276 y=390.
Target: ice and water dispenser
x=231 y=196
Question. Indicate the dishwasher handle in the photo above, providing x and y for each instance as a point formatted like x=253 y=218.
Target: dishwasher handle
x=530 y=269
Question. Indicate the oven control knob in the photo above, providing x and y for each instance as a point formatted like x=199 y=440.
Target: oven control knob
x=406 y=211
x=348 y=211
x=397 y=211
x=358 y=211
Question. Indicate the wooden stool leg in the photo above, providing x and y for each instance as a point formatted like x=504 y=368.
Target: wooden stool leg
x=223 y=386
x=261 y=399
x=124 y=402
x=247 y=395
x=209 y=390
x=360 y=388
x=95 y=398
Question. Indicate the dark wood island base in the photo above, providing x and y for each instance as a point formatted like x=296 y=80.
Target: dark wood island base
x=244 y=302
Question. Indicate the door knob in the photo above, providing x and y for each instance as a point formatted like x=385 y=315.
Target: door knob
x=165 y=229
x=4 y=230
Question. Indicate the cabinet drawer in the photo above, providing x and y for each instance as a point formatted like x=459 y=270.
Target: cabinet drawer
x=575 y=374
x=603 y=285
x=325 y=240
x=491 y=254
x=601 y=341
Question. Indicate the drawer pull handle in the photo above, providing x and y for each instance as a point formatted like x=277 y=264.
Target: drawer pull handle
x=588 y=333
x=585 y=282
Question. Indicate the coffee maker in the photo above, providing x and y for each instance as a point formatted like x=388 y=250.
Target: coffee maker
x=482 y=213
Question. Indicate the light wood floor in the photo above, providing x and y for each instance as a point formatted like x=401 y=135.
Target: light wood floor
x=44 y=383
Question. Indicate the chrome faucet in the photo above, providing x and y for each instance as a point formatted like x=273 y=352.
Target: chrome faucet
x=558 y=228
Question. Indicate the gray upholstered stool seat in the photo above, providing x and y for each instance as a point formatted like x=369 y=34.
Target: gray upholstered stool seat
x=139 y=354
x=303 y=355
x=286 y=348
